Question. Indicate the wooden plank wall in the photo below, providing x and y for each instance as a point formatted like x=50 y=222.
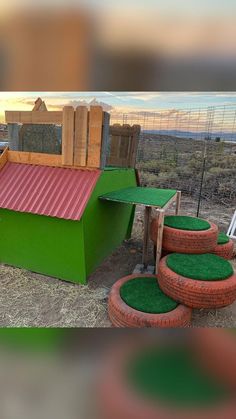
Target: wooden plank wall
x=84 y=135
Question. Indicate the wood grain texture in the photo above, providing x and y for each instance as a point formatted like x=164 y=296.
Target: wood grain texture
x=68 y=136
x=34 y=158
x=3 y=158
x=33 y=117
x=95 y=136
x=81 y=136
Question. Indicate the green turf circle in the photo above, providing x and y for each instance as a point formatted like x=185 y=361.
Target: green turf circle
x=184 y=222
x=171 y=375
x=207 y=267
x=222 y=238
x=144 y=294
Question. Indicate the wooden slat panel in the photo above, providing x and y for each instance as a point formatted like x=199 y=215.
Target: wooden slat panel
x=3 y=158
x=68 y=135
x=33 y=117
x=34 y=158
x=95 y=136
x=81 y=136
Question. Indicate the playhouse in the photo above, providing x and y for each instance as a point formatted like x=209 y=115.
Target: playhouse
x=51 y=218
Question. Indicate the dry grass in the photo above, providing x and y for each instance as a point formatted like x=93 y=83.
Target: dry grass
x=28 y=299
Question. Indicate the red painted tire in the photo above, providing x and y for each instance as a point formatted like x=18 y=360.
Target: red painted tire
x=226 y=250
x=117 y=399
x=213 y=346
x=194 y=293
x=185 y=241
x=122 y=315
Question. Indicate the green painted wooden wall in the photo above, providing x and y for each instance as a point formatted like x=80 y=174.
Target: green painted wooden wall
x=67 y=249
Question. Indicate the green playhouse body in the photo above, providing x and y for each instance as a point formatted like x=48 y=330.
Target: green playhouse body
x=68 y=249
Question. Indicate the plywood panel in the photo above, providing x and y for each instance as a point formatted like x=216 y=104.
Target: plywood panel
x=81 y=136
x=68 y=136
x=95 y=136
x=33 y=117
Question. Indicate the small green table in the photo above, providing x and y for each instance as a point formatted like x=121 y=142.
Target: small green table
x=149 y=198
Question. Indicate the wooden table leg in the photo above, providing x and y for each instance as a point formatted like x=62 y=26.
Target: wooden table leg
x=178 y=200
x=160 y=227
x=147 y=218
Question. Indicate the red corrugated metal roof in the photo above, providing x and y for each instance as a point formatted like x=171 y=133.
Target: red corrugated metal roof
x=52 y=191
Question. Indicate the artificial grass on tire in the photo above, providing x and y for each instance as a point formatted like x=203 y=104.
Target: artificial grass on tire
x=123 y=315
x=184 y=222
x=145 y=295
x=206 y=267
x=222 y=238
x=170 y=375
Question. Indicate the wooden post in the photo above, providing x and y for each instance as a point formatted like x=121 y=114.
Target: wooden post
x=105 y=138
x=81 y=136
x=178 y=201
x=160 y=226
x=147 y=218
x=95 y=136
x=67 y=135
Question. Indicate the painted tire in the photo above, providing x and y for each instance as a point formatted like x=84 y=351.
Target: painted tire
x=194 y=293
x=122 y=315
x=226 y=250
x=185 y=241
x=117 y=400
x=213 y=345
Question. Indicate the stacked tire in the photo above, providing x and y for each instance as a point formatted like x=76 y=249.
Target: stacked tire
x=122 y=314
x=198 y=293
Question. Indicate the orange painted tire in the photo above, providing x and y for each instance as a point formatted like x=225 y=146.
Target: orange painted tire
x=195 y=293
x=226 y=250
x=122 y=315
x=185 y=241
x=117 y=399
x=213 y=345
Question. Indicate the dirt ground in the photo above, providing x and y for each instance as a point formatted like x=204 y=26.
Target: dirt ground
x=30 y=299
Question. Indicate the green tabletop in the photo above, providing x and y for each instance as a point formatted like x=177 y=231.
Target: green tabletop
x=139 y=195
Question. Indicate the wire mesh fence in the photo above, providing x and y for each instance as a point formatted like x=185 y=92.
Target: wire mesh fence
x=193 y=150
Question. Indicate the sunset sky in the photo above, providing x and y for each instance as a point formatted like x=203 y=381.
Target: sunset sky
x=116 y=102
x=179 y=110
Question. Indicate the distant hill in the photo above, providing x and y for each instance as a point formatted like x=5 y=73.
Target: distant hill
x=194 y=135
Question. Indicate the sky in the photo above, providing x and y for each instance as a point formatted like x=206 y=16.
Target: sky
x=136 y=105
x=117 y=102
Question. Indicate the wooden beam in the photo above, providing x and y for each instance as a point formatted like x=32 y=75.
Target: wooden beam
x=3 y=157
x=34 y=158
x=95 y=136
x=160 y=227
x=33 y=117
x=41 y=159
x=178 y=201
x=81 y=136
x=147 y=218
x=68 y=136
